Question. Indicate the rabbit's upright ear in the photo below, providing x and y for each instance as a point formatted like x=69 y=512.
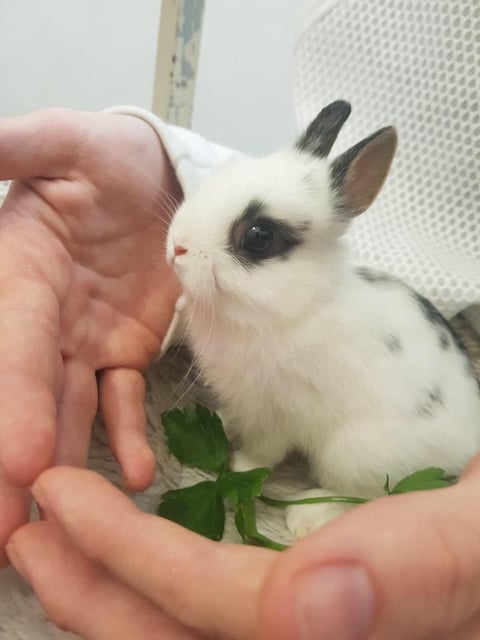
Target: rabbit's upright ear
x=359 y=173
x=322 y=132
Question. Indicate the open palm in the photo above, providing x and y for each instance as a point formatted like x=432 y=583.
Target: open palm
x=84 y=288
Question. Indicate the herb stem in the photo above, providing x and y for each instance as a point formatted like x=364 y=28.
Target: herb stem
x=245 y=520
x=262 y=541
x=286 y=503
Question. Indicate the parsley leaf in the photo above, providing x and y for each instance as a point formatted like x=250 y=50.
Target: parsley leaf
x=242 y=485
x=199 y=508
x=196 y=437
x=423 y=480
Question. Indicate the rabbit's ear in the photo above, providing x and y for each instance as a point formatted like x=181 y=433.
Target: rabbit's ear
x=322 y=132
x=359 y=173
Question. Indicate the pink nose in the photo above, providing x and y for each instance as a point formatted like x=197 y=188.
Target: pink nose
x=178 y=250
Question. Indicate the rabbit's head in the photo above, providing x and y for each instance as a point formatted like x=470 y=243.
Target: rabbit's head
x=259 y=239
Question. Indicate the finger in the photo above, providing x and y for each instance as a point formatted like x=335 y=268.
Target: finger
x=469 y=631
x=76 y=411
x=81 y=597
x=29 y=374
x=14 y=509
x=472 y=471
x=41 y=144
x=402 y=567
x=122 y=394
x=205 y=585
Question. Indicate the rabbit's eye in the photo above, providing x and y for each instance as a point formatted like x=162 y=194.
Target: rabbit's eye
x=258 y=238
x=255 y=236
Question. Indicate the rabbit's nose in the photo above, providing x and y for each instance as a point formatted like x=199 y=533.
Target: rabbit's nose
x=178 y=250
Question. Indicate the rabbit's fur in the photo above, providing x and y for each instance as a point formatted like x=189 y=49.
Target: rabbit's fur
x=303 y=349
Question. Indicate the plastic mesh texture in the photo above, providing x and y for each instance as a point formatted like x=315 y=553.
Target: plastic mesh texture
x=414 y=64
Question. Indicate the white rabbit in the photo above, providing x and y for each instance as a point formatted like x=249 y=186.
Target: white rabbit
x=302 y=349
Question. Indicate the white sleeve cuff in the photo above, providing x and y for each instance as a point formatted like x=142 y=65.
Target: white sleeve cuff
x=192 y=157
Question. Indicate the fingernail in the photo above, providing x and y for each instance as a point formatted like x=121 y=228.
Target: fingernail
x=16 y=560
x=40 y=498
x=334 y=602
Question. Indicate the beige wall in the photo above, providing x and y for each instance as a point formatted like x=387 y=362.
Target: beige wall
x=90 y=54
x=86 y=54
x=244 y=85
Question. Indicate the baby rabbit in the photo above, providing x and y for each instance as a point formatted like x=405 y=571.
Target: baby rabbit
x=304 y=350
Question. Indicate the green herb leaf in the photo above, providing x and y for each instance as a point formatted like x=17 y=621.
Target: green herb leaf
x=245 y=520
x=423 y=480
x=199 y=508
x=196 y=437
x=242 y=485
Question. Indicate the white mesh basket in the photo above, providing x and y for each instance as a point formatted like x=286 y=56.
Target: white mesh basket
x=415 y=64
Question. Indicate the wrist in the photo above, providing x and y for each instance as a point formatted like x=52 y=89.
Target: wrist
x=143 y=126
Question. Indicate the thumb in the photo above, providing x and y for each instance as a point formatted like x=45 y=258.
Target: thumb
x=402 y=567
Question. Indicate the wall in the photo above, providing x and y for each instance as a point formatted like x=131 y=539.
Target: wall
x=89 y=54
x=244 y=86
x=85 y=54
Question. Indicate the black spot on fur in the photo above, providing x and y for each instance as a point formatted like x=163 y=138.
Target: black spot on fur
x=444 y=341
x=436 y=395
x=286 y=236
x=433 y=315
x=445 y=331
x=470 y=371
x=431 y=402
x=393 y=344
x=370 y=275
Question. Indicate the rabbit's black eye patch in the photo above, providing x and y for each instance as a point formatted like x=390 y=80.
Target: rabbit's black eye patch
x=255 y=236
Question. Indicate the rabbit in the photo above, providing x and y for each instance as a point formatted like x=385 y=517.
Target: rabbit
x=305 y=350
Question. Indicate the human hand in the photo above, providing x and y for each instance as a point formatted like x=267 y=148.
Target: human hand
x=84 y=288
x=401 y=567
